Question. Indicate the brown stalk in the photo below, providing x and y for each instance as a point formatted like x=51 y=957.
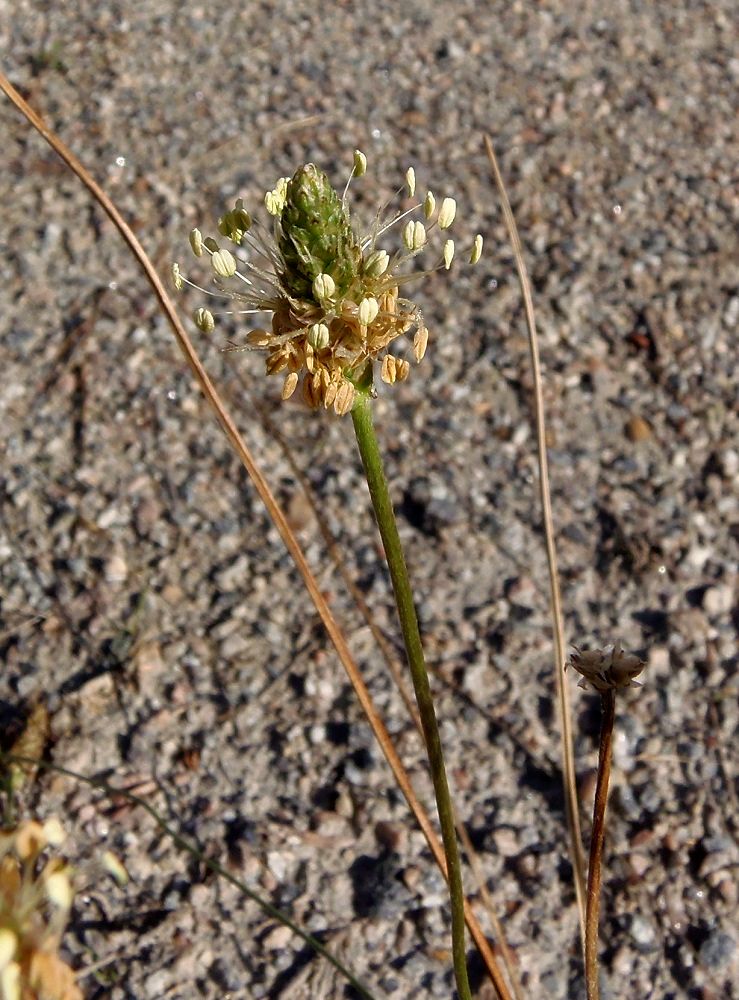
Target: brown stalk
x=608 y=706
x=275 y=512
x=568 y=759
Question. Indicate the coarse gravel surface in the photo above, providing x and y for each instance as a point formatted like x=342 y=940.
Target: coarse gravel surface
x=147 y=597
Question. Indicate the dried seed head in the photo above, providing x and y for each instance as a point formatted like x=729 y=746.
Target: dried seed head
x=607 y=669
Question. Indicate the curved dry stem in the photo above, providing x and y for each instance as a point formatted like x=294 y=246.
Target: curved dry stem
x=568 y=758
x=275 y=512
x=608 y=705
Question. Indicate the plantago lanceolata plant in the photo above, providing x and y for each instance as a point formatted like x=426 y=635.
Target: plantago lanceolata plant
x=335 y=304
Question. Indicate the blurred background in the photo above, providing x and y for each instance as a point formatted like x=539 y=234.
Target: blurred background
x=148 y=600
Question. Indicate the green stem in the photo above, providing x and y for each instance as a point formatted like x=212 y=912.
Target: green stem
x=373 y=469
x=592 y=912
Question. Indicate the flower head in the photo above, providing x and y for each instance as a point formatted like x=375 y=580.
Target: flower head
x=333 y=295
x=607 y=669
x=34 y=905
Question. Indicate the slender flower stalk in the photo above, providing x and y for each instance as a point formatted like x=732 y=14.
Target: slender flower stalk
x=335 y=305
x=607 y=671
x=383 y=507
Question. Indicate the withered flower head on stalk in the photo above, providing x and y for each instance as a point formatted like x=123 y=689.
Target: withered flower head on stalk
x=334 y=296
x=607 y=669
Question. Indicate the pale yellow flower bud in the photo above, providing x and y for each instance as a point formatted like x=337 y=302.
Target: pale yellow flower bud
x=176 y=277
x=54 y=832
x=30 y=840
x=114 y=866
x=323 y=287
x=447 y=212
x=410 y=179
x=10 y=982
x=318 y=336
x=223 y=263
x=59 y=890
x=377 y=263
x=360 y=163
x=204 y=320
x=414 y=236
x=368 y=310
x=196 y=242
x=275 y=200
x=448 y=253
x=476 y=250
x=429 y=204
x=8 y=945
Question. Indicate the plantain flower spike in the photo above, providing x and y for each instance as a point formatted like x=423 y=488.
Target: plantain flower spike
x=607 y=669
x=35 y=900
x=333 y=292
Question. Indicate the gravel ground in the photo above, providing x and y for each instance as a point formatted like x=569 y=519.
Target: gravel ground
x=147 y=598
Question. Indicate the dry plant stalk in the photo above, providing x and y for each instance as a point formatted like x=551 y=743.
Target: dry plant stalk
x=607 y=671
x=568 y=758
x=238 y=444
